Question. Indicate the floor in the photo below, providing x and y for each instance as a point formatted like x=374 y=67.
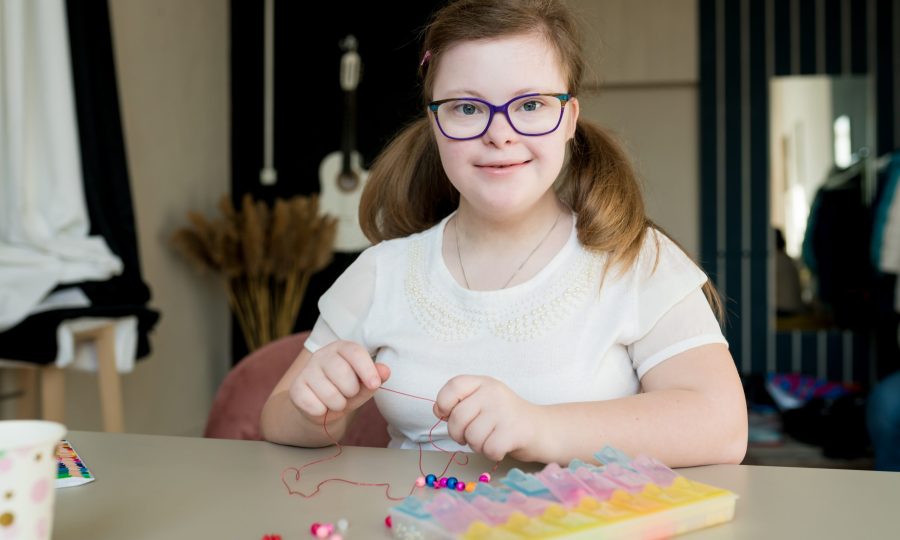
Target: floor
x=769 y=446
x=796 y=454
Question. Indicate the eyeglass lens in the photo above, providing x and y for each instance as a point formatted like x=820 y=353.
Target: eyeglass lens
x=529 y=115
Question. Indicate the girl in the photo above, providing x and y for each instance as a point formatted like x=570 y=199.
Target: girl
x=515 y=278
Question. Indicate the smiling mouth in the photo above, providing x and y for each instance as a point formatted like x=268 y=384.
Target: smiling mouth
x=505 y=165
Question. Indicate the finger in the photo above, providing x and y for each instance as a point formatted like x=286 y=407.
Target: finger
x=341 y=375
x=327 y=392
x=462 y=415
x=495 y=446
x=478 y=431
x=457 y=389
x=359 y=359
x=383 y=371
x=306 y=400
x=365 y=394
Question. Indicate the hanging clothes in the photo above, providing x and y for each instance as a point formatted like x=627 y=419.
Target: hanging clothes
x=44 y=224
x=886 y=259
x=836 y=248
x=886 y=223
x=102 y=193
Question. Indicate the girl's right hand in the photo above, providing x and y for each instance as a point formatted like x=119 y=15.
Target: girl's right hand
x=338 y=379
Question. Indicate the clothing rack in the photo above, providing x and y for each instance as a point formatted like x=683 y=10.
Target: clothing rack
x=883 y=160
x=840 y=178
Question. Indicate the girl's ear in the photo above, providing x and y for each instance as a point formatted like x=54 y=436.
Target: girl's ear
x=572 y=114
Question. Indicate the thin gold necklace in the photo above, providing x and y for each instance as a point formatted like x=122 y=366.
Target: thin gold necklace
x=514 y=274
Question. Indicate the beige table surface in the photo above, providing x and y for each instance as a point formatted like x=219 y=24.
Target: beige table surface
x=171 y=488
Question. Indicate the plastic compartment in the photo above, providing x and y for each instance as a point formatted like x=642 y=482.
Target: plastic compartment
x=622 y=499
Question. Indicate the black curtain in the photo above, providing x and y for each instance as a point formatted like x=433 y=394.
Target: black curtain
x=107 y=193
x=309 y=100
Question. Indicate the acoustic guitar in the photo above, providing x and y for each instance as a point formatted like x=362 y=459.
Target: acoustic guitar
x=341 y=176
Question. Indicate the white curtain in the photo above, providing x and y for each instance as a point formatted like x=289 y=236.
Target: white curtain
x=44 y=223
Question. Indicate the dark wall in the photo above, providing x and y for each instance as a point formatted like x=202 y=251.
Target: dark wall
x=743 y=43
x=309 y=99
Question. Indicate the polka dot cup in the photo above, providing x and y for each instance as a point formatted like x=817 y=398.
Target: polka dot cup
x=28 y=478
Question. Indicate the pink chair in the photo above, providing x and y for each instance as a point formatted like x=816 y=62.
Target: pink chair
x=239 y=401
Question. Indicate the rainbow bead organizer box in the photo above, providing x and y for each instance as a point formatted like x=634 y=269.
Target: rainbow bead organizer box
x=622 y=498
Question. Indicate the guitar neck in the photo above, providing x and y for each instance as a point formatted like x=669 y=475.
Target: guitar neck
x=348 y=136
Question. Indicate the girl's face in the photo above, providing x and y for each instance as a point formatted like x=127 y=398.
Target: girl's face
x=503 y=174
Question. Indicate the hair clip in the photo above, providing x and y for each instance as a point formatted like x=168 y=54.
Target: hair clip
x=425 y=58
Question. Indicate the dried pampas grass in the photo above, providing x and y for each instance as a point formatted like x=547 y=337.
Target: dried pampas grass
x=265 y=257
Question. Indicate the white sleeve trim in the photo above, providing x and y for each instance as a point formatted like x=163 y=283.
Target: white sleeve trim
x=321 y=335
x=310 y=346
x=678 y=348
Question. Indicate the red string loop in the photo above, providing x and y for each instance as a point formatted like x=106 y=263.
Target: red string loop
x=387 y=486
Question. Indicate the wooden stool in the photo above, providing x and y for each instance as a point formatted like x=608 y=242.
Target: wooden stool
x=52 y=383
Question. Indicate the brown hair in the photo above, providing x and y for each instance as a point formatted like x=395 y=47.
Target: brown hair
x=408 y=190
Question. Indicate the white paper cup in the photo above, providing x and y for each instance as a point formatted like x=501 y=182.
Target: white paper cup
x=28 y=478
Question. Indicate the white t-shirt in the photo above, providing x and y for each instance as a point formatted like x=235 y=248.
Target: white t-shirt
x=558 y=337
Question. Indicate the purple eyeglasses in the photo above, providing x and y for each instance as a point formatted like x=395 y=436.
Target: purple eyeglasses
x=531 y=115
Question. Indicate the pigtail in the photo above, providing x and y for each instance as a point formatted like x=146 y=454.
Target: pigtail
x=604 y=192
x=407 y=190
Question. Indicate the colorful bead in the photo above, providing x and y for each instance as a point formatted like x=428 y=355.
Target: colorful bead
x=387 y=522
x=324 y=531
x=314 y=527
x=342 y=524
x=451 y=482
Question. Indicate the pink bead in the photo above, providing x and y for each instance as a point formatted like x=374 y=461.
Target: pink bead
x=323 y=532
x=336 y=537
x=485 y=477
x=313 y=528
x=388 y=523
x=460 y=486
x=420 y=481
x=443 y=481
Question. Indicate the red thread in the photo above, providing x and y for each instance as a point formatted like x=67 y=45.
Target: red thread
x=387 y=485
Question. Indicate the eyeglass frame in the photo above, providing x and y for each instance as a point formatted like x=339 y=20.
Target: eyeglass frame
x=564 y=98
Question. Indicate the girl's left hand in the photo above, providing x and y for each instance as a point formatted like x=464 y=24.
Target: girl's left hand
x=485 y=414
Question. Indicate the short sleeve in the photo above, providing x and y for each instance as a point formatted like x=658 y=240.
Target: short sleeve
x=345 y=305
x=689 y=323
x=663 y=276
x=663 y=279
